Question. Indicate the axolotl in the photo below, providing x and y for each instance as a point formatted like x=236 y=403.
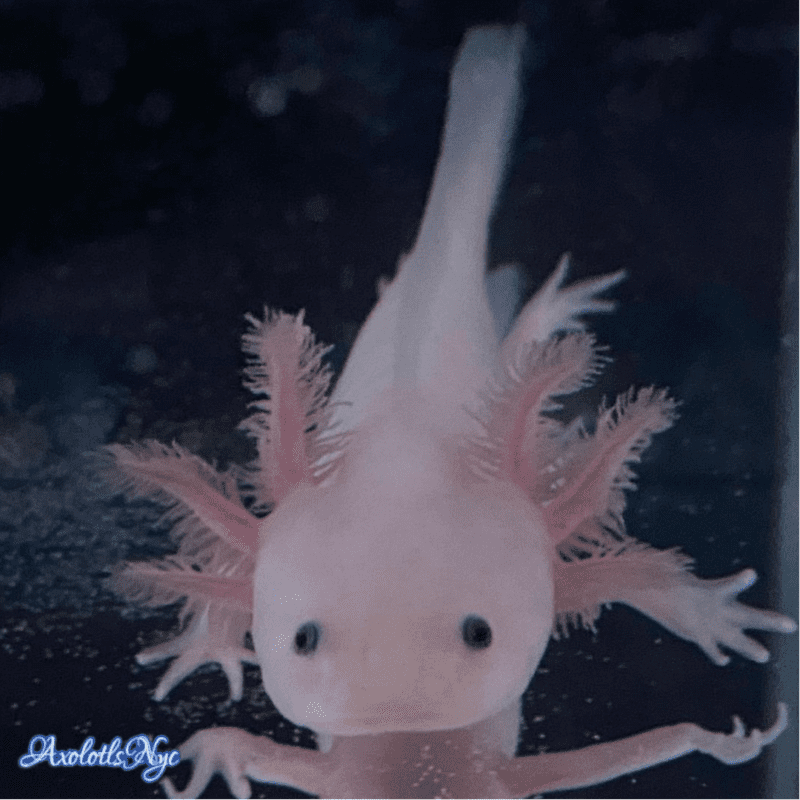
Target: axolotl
x=404 y=546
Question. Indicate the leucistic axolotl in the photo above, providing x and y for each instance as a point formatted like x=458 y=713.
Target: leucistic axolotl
x=430 y=521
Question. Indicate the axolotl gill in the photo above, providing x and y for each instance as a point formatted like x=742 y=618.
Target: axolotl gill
x=430 y=520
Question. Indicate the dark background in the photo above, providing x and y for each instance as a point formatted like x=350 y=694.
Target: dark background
x=168 y=166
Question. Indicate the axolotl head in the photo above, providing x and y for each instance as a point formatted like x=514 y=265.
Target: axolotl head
x=402 y=597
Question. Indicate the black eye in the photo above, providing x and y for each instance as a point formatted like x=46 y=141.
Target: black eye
x=307 y=638
x=476 y=632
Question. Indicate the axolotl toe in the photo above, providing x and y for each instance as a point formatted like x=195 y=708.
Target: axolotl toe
x=430 y=520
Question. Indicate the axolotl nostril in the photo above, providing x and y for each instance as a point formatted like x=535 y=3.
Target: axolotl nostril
x=430 y=520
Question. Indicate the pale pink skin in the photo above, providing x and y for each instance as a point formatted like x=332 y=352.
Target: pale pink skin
x=418 y=500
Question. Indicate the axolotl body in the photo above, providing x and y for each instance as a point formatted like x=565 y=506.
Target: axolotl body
x=429 y=521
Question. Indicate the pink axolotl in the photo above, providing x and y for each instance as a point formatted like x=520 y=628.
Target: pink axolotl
x=430 y=523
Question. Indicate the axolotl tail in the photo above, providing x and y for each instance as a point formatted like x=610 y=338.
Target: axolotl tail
x=432 y=331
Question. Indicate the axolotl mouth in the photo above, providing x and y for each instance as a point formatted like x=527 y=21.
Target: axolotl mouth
x=359 y=726
x=387 y=717
x=397 y=717
x=384 y=717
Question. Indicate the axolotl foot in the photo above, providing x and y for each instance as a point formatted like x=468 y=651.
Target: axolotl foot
x=738 y=747
x=708 y=613
x=237 y=755
x=208 y=638
x=218 y=750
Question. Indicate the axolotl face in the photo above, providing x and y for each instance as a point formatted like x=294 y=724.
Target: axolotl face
x=401 y=597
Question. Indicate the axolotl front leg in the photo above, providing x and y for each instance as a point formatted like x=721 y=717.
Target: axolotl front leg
x=574 y=769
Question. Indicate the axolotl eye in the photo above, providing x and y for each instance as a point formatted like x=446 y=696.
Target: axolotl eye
x=307 y=638
x=476 y=632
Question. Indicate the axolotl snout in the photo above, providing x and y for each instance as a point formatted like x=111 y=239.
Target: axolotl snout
x=430 y=521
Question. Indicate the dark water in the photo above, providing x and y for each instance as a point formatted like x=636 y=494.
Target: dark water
x=155 y=201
